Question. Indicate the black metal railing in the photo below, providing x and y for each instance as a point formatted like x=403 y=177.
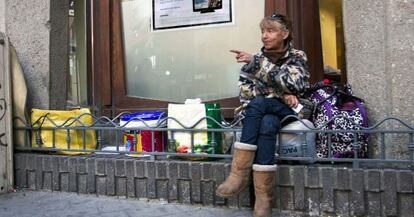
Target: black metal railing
x=104 y=135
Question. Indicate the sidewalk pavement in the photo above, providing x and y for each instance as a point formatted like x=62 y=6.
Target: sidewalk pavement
x=57 y=204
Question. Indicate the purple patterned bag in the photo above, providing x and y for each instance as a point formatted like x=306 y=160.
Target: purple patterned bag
x=347 y=112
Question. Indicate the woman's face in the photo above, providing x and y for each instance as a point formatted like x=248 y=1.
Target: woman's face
x=273 y=36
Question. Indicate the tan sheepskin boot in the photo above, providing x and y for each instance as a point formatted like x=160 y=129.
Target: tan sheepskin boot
x=264 y=181
x=240 y=170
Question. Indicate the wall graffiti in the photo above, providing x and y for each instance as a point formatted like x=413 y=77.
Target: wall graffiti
x=3 y=108
x=3 y=135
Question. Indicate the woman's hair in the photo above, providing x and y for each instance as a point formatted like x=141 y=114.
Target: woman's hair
x=282 y=20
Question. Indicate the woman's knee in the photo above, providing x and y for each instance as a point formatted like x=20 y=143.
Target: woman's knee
x=257 y=104
x=270 y=125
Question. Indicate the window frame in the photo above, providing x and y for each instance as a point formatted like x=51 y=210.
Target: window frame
x=108 y=85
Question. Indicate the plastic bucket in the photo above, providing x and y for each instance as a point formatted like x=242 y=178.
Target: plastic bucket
x=291 y=144
x=141 y=140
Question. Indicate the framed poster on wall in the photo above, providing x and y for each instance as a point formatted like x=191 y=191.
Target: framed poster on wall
x=172 y=14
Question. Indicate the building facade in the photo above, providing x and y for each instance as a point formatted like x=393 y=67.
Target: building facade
x=373 y=49
x=378 y=50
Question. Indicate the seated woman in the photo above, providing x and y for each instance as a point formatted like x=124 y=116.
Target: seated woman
x=271 y=83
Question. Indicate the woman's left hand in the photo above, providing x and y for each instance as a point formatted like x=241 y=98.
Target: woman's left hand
x=290 y=100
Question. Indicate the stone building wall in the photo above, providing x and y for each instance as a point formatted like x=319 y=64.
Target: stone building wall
x=379 y=41
x=2 y=17
x=38 y=29
x=27 y=24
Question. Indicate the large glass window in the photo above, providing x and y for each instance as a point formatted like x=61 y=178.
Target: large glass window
x=187 y=62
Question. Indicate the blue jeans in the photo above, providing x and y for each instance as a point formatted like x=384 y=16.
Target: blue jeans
x=261 y=124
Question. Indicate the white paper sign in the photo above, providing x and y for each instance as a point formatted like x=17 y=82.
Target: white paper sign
x=169 y=14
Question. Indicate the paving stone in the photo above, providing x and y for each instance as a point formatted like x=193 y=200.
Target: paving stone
x=130 y=178
x=206 y=174
x=73 y=179
x=172 y=183
x=39 y=172
x=161 y=186
x=286 y=195
x=91 y=180
x=64 y=182
x=312 y=177
x=20 y=170
x=313 y=201
x=56 y=174
x=110 y=176
x=284 y=176
x=342 y=179
x=151 y=188
x=47 y=181
x=82 y=184
x=140 y=169
x=184 y=189
x=63 y=164
x=184 y=170
x=207 y=193
x=299 y=187
x=31 y=180
x=357 y=207
x=47 y=163
x=82 y=165
x=389 y=196
x=120 y=186
x=101 y=185
x=31 y=162
x=196 y=182
x=327 y=200
x=406 y=205
x=141 y=188
x=218 y=171
x=405 y=181
x=120 y=168
x=39 y=204
x=373 y=180
x=246 y=197
x=342 y=207
x=374 y=204
x=100 y=167
x=232 y=201
x=161 y=170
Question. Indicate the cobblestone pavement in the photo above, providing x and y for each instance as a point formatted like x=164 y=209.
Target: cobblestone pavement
x=56 y=204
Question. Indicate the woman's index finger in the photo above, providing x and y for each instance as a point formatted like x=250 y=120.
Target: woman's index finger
x=235 y=51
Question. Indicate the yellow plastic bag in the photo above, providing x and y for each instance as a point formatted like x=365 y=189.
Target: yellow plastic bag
x=41 y=118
